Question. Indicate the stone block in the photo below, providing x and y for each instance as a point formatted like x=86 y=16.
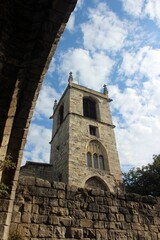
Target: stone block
x=42 y=183
x=135 y=218
x=45 y=231
x=62 y=203
x=75 y=223
x=63 y=211
x=126 y=226
x=35 y=209
x=102 y=216
x=86 y=223
x=61 y=194
x=137 y=226
x=128 y=218
x=16 y=216
x=99 y=200
x=38 y=200
x=93 y=207
x=34 y=228
x=65 y=221
x=111 y=217
x=53 y=220
x=153 y=228
x=99 y=224
x=89 y=233
x=38 y=219
x=27 y=207
x=54 y=202
x=58 y=185
x=13 y=227
x=95 y=216
x=27 y=180
x=89 y=215
x=113 y=209
x=101 y=234
x=78 y=214
x=149 y=199
x=75 y=233
x=44 y=210
x=59 y=232
x=4 y=205
x=103 y=209
x=123 y=210
x=26 y=217
x=73 y=204
x=120 y=217
x=23 y=230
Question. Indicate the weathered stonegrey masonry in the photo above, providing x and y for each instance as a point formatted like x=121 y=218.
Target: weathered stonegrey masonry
x=29 y=33
x=83 y=146
x=44 y=210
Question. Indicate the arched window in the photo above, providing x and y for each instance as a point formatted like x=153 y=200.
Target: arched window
x=61 y=114
x=89 y=108
x=95 y=159
x=101 y=162
x=97 y=156
x=89 y=159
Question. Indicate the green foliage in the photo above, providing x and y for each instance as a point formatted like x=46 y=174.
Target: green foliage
x=3 y=190
x=145 y=180
x=7 y=163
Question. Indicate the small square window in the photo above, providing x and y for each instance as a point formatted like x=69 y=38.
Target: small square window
x=93 y=130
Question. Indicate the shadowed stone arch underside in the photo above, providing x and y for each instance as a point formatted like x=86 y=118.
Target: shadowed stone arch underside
x=96 y=182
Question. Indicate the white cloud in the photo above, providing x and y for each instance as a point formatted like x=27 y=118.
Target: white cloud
x=52 y=67
x=138 y=128
x=145 y=62
x=138 y=118
x=104 y=30
x=71 y=23
x=45 y=102
x=143 y=9
x=152 y=10
x=133 y=7
x=38 y=147
x=91 y=70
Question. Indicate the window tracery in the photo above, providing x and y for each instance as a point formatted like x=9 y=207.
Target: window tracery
x=96 y=156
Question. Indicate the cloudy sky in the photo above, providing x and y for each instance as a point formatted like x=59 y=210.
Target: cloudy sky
x=113 y=42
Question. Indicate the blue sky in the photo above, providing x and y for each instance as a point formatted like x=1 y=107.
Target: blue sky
x=113 y=42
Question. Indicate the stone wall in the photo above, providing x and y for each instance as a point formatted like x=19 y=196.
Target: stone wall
x=57 y=211
x=40 y=170
x=29 y=34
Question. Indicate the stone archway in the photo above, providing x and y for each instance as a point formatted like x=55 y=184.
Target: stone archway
x=96 y=182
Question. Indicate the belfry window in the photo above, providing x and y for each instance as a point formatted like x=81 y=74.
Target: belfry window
x=89 y=108
x=61 y=114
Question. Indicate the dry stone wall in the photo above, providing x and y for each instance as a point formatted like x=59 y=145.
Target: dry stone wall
x=45 y=210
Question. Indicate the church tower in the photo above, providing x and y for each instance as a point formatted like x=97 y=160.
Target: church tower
x=83 y=147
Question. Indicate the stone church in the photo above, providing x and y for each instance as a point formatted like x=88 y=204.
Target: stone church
x=83 y=146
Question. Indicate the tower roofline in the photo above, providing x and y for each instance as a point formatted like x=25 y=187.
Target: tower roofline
x=83 y=89
x=89 y=90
